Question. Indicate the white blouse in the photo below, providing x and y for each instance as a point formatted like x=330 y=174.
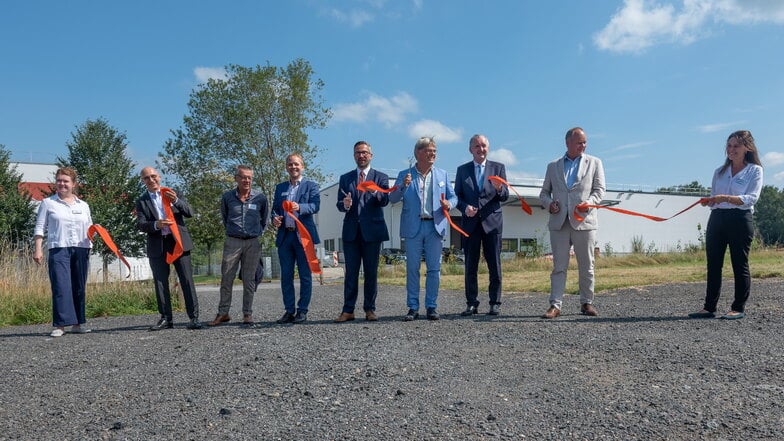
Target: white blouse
x=65 y=224
x=746 y=184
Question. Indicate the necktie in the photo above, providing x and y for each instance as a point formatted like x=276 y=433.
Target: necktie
x=361 y=199
x=361 y=176
x=479 y=176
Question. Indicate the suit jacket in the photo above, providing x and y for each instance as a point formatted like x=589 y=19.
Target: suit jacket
x=371 y=218
x=309 y=200
x=412 y=203
x=147 y=214
x=486 y=199
x=588 y=187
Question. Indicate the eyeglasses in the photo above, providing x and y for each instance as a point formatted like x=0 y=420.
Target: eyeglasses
x=149 y=177
x=362 y=152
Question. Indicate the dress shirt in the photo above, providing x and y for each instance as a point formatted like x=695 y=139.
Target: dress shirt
x=65 y=224
x=244 y=220
x=426 y=193
x=746 y=184
x=157 y=200
x=292 y=196
x=571 y=168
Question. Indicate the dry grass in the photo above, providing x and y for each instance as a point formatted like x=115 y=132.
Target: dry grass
x=533 y=275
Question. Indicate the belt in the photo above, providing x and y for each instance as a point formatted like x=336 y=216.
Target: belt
x=244 y=237
x=426 y=218
x=291 y=229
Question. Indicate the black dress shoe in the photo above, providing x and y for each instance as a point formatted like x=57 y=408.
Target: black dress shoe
x=410 y=316
x=471 y=310
x=301 y=317
x=286 y=318
x=162 y=324
x=194 y=324
x=432 y=314
x=494 y=310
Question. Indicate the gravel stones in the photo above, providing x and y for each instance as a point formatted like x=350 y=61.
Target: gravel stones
x=640 y=370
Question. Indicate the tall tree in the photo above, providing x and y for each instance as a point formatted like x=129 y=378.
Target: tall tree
x=769 y=215
x=16 y=208
x=108 y=183
x=255 y=117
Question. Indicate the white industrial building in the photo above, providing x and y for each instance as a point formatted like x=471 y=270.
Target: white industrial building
x=522 y=232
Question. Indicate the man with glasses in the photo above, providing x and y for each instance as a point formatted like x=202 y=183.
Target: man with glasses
x=152 y=218
x=364 y=229
x=426 y=192
x=244 y=213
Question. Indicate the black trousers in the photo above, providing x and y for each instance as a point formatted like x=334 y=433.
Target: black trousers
x=733 y=228
x=160 y=275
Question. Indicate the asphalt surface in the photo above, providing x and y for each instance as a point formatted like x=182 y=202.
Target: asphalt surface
x=640 y=370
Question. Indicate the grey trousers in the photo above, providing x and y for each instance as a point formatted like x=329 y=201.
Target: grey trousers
x=244 y=254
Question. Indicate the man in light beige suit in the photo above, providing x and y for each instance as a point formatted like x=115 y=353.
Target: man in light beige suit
x=572 y=180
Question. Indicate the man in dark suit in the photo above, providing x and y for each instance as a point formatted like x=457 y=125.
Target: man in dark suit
x=306 y=200
x=151 y=219
x=479 y=199
x=364 y=228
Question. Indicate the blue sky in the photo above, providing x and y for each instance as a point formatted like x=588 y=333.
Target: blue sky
x=657 y=85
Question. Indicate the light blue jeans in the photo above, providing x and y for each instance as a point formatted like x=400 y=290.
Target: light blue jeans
x=426 y=241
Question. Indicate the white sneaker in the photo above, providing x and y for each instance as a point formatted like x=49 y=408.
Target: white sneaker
x=76 y=329
x=57 y=332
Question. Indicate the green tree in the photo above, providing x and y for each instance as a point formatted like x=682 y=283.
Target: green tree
x=255 y=117
x=108 y=183
x=16 y=208
x=694 y=188
x=769 y=215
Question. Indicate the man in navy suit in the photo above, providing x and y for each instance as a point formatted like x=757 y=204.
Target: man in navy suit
x=571 y=180
x=306 y=200
x=364 y=228
x=151 y=219
x=425 y=191
x=479 y=199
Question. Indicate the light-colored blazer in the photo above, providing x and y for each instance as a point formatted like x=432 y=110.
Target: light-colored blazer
x=588 y=187
x=412 y=203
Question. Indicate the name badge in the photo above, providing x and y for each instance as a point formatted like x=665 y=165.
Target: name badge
x=441 y=184
x=76 y=211
x=252 y=206
x=285 y=193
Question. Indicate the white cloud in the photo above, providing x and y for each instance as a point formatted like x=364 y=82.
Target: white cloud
x=640 y=24
x=354 y=18
x=429 y=127
x=772 y=158
x=719 y=127
x=633 y=145
x=778 y=177
x=203 y=74
x=389 y=111
x=505 y=156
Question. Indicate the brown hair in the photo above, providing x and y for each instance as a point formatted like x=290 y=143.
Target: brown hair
x=68 y=171
x=745 y=139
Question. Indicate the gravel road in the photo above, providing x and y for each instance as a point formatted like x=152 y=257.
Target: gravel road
x=639 y=371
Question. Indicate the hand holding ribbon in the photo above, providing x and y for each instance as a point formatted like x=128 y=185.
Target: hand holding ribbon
x=167 y=203
x=372 y=186
x=305 y=238
x=502 y=181
x=448 y=218
x=585 y=206
x=107 y=239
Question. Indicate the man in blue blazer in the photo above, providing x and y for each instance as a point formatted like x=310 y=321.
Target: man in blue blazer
x=571 y=180
x=306 y=201
x=425 y=191
x=364 y=228
x=479 y=199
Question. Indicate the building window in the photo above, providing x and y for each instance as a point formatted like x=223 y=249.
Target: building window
x=509 y=245
x=528 y=247
x=329 y=244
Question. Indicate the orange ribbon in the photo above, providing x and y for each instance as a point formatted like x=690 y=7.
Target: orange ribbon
x=372 y=186
x=177 y=251
x=634 y=213
x=305 y=238
x=107 y=239
x=452 y=224
x=524 y=205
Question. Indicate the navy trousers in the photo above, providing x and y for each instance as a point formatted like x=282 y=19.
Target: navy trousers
x=68 y=275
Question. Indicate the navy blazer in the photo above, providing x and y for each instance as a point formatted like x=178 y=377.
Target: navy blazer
x=371 y=218
x=147 y=214
x=486 y=199
x=309 y=200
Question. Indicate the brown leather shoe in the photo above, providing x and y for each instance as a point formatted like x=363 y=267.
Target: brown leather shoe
x=551 y=313
x=588 y=309
x=219 y=319
x=345 y=317
x=247 y=319
x=371 y=316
